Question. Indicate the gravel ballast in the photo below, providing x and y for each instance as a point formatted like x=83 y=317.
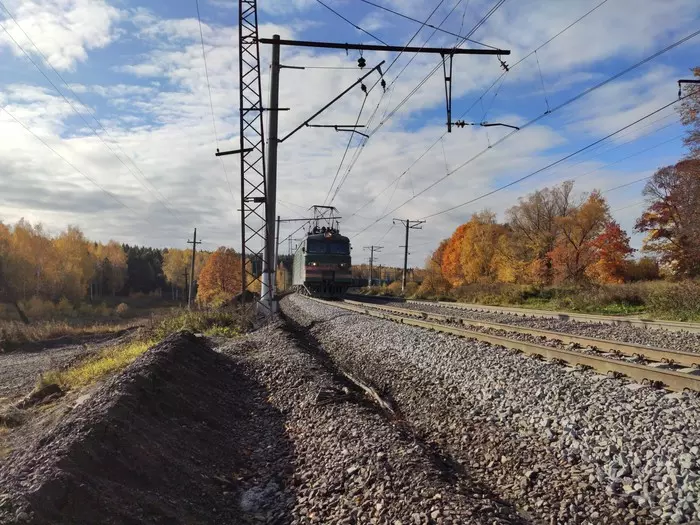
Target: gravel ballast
x=351 y=463
x=566 y=447
x=671 y=340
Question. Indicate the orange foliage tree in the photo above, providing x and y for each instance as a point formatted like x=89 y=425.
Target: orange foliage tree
x=220 y=278
x=574 y=251
x=612 y=249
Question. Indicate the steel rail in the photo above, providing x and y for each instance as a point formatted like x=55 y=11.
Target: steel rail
x=672 y=326
x=670 y=379
x=689 y=359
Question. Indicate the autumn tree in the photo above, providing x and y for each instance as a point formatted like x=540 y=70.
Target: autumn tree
x=479 y=257
x=77 y=264
x=672 y=218
x=110 y=267
x=433 y=282
x=220 y=279
x=690 y=115
x=451 y=258
x=574 y=252
x=612 y=248
x=8 y=292
x=535 y=223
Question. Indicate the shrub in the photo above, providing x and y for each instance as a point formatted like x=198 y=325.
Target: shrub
x=64 y=308
x=122 y=309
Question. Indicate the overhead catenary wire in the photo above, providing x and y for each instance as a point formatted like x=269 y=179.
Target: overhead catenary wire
x=211 y=99
x=351 y=22
x=370 y=120
x=556 y=35
x=555 y=163
x=406 y=17
x=159 y=196
x=386 y=117
x=347 y=148
x=538 y=118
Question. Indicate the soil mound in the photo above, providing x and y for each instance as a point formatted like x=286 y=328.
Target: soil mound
x=183 y=435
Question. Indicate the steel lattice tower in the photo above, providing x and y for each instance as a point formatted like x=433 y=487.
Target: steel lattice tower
x=252 y=146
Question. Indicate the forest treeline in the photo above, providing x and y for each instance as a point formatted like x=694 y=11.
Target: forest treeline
x=554 y=236
x=69 y=268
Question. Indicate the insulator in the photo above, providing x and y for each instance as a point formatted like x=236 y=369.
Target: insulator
x=383 y=84
x=363 y=88
x=361 y=62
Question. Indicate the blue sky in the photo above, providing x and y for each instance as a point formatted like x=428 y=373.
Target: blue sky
x=139 y=68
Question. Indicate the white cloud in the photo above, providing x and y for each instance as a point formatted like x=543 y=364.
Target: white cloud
x=64 y=30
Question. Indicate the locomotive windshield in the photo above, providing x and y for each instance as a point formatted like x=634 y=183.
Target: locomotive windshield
x=333 y=247
x=315 y=246
x=339 y=248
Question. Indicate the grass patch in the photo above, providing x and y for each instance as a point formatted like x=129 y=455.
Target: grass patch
x=223 y=323
x=97 y=367
x=114 y=359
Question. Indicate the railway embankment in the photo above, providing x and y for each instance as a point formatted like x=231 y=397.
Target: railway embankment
x=565 y=446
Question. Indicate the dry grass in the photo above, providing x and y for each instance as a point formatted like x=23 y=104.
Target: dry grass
x=13 y=333
x=93 y=369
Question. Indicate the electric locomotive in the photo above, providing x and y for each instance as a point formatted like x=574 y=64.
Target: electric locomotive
x=322 y=263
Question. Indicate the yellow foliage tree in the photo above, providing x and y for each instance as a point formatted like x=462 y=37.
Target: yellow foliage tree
x=220 y=279
x=77 y=263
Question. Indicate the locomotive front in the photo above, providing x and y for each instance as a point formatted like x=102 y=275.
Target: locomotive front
x=322 y=264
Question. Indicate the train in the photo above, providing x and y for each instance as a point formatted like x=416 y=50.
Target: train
x=322 y=264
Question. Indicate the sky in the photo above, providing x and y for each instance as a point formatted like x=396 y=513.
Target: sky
x=110 y=121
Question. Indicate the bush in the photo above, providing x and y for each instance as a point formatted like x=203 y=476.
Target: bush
x=64 y=308
x=122 y=309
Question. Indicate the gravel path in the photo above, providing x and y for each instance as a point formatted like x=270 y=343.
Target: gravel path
x=681 y=341
x=20 y=369
x=566 y=447
x=351 y=463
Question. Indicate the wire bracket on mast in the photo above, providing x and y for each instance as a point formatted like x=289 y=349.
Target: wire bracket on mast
x=448 y=88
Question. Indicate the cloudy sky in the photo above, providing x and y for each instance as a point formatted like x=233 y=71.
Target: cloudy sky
x=122 y=144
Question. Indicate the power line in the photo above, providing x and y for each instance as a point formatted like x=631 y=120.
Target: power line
x=536 y=119
x=562 y=31
x=114 y=197
x=351 y=23
x=426 y=24
x=159 y=196
x=370 y=121
x=552 y=164
x=393 y=82
x=211 y=100
x=385 y=118
x=347 y=148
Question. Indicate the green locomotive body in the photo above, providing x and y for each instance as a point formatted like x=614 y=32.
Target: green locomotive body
x=322 y=264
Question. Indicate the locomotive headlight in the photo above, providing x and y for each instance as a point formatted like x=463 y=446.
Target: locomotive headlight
x=342 y=265
x=314 y=263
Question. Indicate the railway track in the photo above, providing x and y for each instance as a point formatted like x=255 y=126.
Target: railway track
x=672 y=326
x=656 y=366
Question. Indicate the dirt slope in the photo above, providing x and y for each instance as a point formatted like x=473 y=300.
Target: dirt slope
x=182 y=436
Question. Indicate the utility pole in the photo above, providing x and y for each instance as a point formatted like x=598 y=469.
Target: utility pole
x=410 y=225
x=267 y=291
x=277 y=250
x=194 y=242
x=186 y=288
x=372 y=249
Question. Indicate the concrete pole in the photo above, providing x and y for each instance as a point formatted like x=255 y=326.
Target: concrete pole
x=194 y=251
x=267 y=291
x=405 y=260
